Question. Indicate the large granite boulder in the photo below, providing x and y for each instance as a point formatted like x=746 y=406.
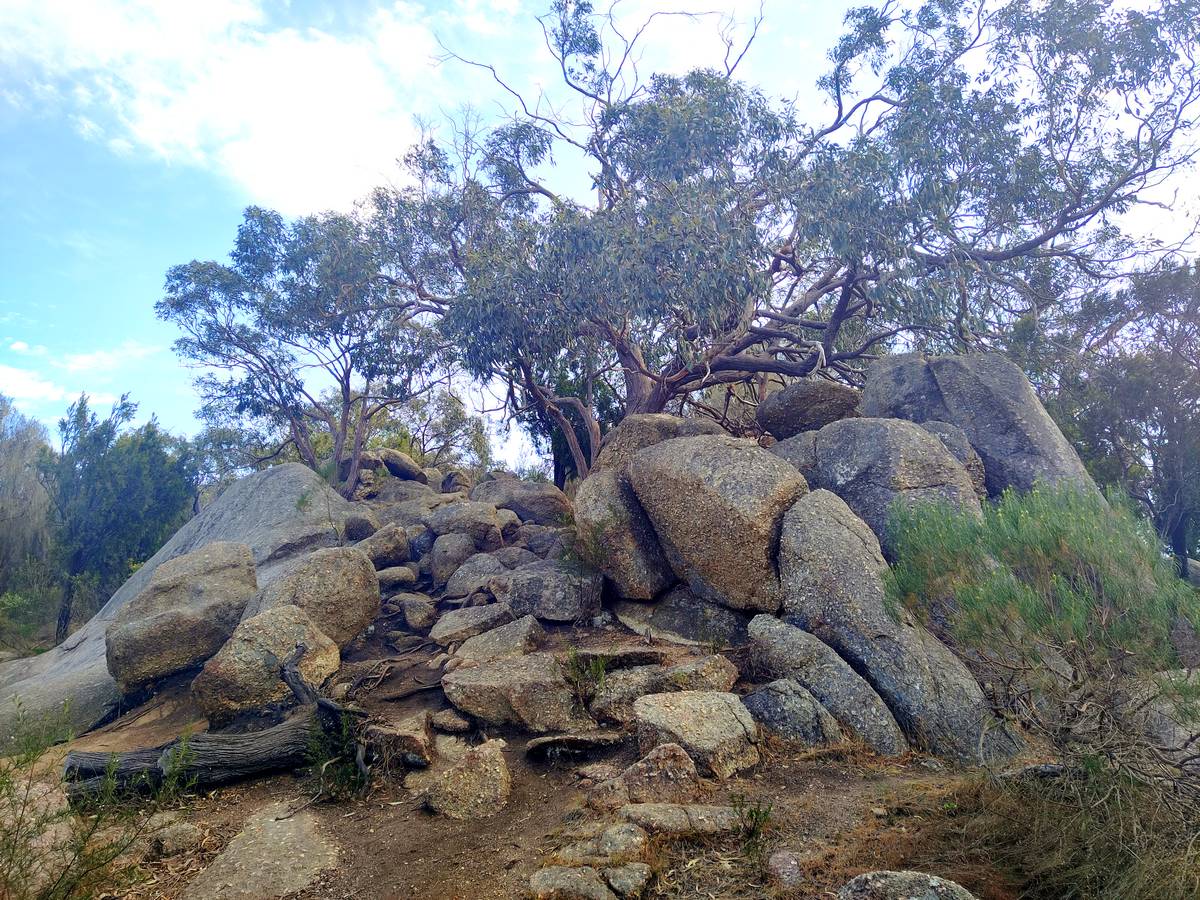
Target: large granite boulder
x=616 y=537
x=992 y=401
x=281 y=513
x=337 y=587
x=801 y=452
x=806 y=405
x=450 y=552
x=473 y=575
x=642 y=430
x=716 y=503
x=780 y=651
x=832 y=574
x=539 y=502
x=243 y=676
x=401 y=465
x=386 y=547
x=478 y=520
x=551 y=590
x=187 y=611
x=875 y=463
x=955 y=440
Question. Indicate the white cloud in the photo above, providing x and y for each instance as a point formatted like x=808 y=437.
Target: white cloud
x=101 y=362
x=24 y=348
x=300 y=119
x=28 y=386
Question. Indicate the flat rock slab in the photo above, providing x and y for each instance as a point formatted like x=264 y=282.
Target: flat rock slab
x=271 y=857
x=682 y=820
x=460 y=624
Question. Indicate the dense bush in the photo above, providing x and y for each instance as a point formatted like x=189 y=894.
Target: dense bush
x=1068 y=610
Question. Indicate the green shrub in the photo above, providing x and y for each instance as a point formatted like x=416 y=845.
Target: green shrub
x=1064 y=606
x=51 y=849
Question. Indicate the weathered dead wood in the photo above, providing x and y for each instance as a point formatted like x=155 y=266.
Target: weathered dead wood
x=208 y=760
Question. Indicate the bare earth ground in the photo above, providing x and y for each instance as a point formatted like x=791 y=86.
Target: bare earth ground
x=389 y=847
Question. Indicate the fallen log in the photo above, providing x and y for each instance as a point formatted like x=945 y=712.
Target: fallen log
x=207 y=760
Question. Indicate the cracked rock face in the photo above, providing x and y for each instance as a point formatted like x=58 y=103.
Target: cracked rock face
x=713 y=727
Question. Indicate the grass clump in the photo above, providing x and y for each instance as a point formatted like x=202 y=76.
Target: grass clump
x=1065 y=606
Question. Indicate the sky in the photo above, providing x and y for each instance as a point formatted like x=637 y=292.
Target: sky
x=133 y=133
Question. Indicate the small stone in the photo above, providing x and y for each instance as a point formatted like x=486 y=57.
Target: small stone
x=451 y=721
x=783 y=868
x=629 y=880
x=713 y=727
x=665 y=774
x=175 y=838
x=514 y=639
x=902 y=886
x=476 y=786
x=419 y=615
x=460 y=624
x=409 y=738
x=565 y=883
x=615 y=844
x=396 y=578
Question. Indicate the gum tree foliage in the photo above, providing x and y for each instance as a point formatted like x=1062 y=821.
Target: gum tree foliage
x=1123 y=379
x=297 y=336
x=23 y=501
x=965 y=173
x=116 y=495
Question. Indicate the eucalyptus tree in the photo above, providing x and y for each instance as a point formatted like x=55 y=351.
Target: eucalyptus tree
x=299 y=337
x=966 y=172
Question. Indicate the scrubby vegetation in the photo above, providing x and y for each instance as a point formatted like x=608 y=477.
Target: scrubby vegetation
x=1070 y=613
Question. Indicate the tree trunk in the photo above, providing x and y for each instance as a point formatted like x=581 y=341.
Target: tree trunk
x=63 y=627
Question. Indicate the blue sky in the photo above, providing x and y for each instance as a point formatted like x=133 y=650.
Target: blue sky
x=133 y=133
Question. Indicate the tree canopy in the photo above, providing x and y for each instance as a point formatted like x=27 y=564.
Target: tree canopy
x=968 y=172
x=116 y=496
x=298 y=335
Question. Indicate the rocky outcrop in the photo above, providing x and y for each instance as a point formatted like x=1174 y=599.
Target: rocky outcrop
x=244 y=674
x=716 y=503
x=873 y=464
x=806 y=405
x=713 y=727
x=616 y=536
x=337 y=587
x=992 y=401
x=188 y=610
x=281 y=513
x=784 y=651
x=832 y=573
x=539 y=502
